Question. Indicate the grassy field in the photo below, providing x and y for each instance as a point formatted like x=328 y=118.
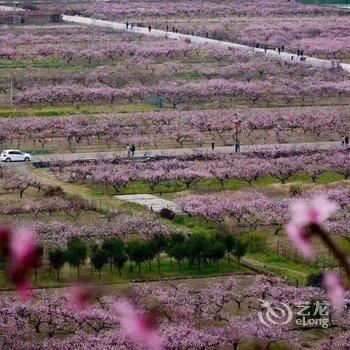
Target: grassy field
x=274 y=263
x=212 y=185
x=169 y=270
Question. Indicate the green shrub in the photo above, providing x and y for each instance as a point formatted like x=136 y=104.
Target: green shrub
x=12 y=114
x=54 y=112
x=57 y=258
x=76 y=253
x=256 y=241
x=179 y=219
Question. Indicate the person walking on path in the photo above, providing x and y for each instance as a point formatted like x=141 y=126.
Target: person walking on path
x=127 y=25
x=132 y=149
x=212 y=145
x=346 y=141
x=237 y=146
x=149 y=28
x=128 y=151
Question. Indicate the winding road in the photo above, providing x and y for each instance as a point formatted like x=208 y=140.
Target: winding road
x=285 y=56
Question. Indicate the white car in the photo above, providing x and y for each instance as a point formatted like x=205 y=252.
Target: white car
x=14 y=155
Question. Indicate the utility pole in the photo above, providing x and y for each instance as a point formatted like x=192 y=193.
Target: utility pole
x=237 y=128
x=11 y=91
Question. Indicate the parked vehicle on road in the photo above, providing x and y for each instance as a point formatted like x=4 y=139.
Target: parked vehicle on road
x=14 y=155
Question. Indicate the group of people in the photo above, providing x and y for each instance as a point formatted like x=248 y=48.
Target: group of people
x=174 y=30
x=345 y=142
x=300 y=53
x=279 y=49
x=130 y=150
x=131 y=25
x=237 y=146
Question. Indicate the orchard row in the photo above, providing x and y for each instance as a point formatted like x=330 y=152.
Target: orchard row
x=189 y=317
x=152 y=130
x=254 y=210
x=131 y=72
x=193 y=8
x=219 y=167
x=214 y=90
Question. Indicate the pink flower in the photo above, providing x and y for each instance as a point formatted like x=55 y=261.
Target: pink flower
x=316 y=211
x=137 y=327
x=305 y=213
x=80 y=296
x=301 y=240
x=335 y=289
x=24 y=255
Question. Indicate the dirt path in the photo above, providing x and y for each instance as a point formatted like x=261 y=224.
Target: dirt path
x=102 y=202
x=262 y=267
